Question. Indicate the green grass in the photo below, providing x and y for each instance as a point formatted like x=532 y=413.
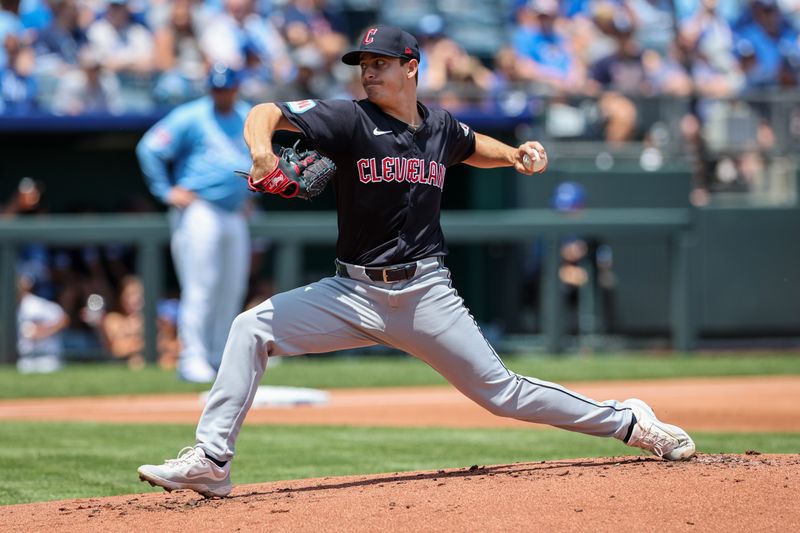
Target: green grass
x=42 y=461
x=339 y=371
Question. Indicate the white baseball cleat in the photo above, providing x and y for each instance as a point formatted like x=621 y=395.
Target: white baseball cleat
x=191 y=470
x=651 y=434
x=196 y=370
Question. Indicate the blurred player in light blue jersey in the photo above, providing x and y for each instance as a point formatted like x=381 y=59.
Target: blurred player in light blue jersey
x=188 y=159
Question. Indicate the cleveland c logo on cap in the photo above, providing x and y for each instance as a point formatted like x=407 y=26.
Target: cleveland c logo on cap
x=368 y=36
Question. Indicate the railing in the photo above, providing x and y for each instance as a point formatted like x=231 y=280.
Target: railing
x=290 y=232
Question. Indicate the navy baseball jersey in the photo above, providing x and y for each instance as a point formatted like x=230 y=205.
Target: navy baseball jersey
x=390 y=176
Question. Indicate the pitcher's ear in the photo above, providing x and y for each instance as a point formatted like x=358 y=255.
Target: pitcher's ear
x=413 y=68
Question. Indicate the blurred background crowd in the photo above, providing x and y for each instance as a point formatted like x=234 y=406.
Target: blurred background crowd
x=117 y=56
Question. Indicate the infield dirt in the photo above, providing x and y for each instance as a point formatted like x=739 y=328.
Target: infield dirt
x=709 y=493
x=762 y=403
x=751 y=492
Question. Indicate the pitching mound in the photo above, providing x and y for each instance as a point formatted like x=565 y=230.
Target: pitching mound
x=751 y=492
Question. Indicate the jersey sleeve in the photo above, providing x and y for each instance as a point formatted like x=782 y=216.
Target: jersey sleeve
x=460 y=140
x=160 y=145
x=328 y=123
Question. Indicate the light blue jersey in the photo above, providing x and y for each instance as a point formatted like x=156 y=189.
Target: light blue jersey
x=192 y=147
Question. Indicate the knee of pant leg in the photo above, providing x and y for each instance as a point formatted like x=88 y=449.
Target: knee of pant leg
x=503 y=400
x=250 y=333
x=499 y=406
x=249 y=323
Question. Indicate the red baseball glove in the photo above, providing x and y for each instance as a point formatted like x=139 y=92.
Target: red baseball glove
x=297 y=174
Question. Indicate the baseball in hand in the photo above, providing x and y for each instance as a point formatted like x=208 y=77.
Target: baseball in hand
x=536 y=163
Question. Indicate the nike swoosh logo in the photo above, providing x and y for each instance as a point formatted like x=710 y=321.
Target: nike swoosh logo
x=377 y=132
x=200 y=475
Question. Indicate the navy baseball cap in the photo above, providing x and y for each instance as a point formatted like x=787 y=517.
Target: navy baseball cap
x=385 y=41
x=222 y=77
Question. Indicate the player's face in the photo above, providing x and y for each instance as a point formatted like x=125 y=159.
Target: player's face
x=223 y=99
x=383 y=77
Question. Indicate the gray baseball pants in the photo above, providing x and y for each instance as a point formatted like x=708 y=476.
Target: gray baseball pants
x=423 y=316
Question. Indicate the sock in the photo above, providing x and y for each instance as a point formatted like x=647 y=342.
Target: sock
x=216 y=461
x=630 y=429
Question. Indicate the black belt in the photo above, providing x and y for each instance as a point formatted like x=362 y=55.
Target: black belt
x=387 y=275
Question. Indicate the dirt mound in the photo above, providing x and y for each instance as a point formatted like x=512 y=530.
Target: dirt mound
x=751 y=492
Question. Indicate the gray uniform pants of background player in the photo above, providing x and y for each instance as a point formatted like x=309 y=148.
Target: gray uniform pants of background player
x=423 y=316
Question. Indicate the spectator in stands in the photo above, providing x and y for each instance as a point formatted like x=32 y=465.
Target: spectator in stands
x=615 y=77
x=742 y=126
x=631 y=72
x=468 y=81
x=123 y=45
x=82 y=277
x=39 y=326
x=315 y=17
x=709 y=35
x=506 y=67
x=731 y=10
x=455 y=78
x=791 y=10
x=57 y=45
x=332 y=71
x=88 y=89
x=18 y=87
x=122 y=330
x=238 y=29
x=575 y=8
x=35 y=14
x=27 y=199
x=667 y=74
x=256 y=82
x=772 y=40
x=309 y=80
x=594 y=35
x=159 y=12
x=716 y=77
x=746 y=56
x=430 y=31
x=179 y=59
x=33 y=258
x=317 y=69
x=654 y=21
x=546 y=55
x=299 y=22
x=10 y=24
x=714 y=65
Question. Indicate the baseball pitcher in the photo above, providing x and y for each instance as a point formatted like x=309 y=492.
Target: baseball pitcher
x=391 y=285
